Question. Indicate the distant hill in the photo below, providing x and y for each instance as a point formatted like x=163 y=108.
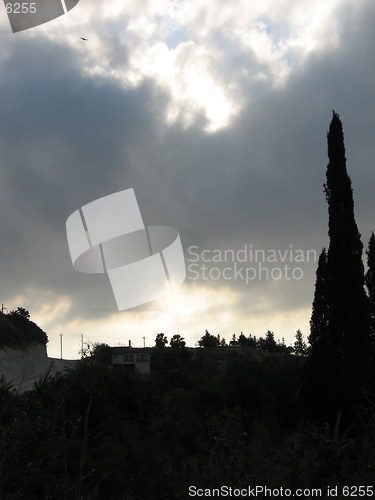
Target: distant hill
x=19 y=332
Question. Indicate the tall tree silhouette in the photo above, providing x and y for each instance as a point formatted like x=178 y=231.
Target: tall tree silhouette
x=300 y=347
x=340 y=329
x=370 y=283
x=319 y=316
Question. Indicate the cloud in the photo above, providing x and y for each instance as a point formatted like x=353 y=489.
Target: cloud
x=216 y=117
x=130 y=43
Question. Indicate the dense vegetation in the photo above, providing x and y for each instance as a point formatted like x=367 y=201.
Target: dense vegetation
x=17 y=331
x=203 y=417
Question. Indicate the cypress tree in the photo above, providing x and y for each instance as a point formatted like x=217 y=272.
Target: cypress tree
x=370 y=283
x=319 y=316
x=340 y=327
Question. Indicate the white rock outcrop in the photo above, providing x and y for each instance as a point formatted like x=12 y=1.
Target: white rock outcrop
x=25 y=365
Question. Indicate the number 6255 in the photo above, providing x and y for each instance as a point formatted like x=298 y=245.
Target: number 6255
x=21 y=8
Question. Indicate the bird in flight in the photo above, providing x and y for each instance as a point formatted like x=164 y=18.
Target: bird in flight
x=85 y=39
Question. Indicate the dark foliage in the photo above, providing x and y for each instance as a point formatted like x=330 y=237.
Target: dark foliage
x=20 y=311
x=209 y=340
x=16 y=330
x=300 y=346
x=177 y=343
x=268 y=343
x=223 y=416
x=161 y=341
x=319 y=318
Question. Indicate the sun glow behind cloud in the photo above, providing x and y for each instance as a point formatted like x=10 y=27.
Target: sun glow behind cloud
x=128 y=42
x=189 y=311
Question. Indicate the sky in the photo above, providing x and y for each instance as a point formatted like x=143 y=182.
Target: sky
x=216 y=114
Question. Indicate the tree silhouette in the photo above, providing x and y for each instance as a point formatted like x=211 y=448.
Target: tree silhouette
x=242 y=340
x=370 y=283
x=234 y=340
x=160 y=341
x=208 y=340
x=300 y=347
x=252 y=341
x=177 y=342
x=223 y=342
x=340 y=325
x=20 y=312
x=268 y=343
x=319 y=316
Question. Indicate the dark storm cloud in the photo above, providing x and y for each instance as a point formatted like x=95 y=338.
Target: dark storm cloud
x=67 y=139
x=63 y=143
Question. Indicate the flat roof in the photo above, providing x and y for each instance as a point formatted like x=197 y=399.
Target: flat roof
x=130 y=350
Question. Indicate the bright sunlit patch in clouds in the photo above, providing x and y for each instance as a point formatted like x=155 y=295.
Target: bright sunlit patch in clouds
x=185 y=311
x=185 y=303
x=185 y=72
x=130 y=42
x=188 y=311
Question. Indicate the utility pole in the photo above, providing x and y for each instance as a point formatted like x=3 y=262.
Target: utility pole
x=61 y=336
x=144 y=342
x=82 y=344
